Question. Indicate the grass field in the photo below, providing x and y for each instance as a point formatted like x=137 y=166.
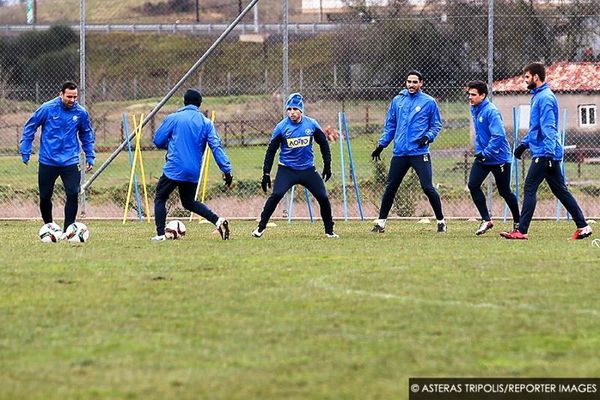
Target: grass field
x=292 y=315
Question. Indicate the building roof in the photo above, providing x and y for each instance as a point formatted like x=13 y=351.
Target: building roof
x=564 y=76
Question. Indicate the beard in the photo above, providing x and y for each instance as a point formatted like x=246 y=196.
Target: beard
x=531 y=85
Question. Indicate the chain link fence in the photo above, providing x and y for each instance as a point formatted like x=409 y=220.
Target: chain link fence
x=356 y=68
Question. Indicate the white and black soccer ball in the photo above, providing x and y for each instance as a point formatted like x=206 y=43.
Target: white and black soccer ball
x=50 y=233
x=175 y=230
x=77 y=232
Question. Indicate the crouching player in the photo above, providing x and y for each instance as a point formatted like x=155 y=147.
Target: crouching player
x=294 y=137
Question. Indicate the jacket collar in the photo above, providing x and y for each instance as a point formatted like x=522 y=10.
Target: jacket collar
x=540 y=88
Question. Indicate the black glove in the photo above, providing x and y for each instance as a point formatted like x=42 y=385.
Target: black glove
x=228 y=178
x=424 y=141
x=519 y=151
x=326 y=173
x=375 y=155
x=479 y=157
x=266 y=182
x=547 y=162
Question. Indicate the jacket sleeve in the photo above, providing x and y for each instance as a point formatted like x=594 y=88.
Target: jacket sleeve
x=548 y=126
x=214 y=142
x=497 y=133
x=86 y=136
x=324 y=146
x=435 y=121
x=271 y=150
x=389 y=126
x=33 y=123
x=164 y=132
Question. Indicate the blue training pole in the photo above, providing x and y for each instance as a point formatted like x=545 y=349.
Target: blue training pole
x=563 y=140
x=310 y=213
x=343 y=168
x=514 y=166
x=352 y=170
x=291 y=205
x=138 y=202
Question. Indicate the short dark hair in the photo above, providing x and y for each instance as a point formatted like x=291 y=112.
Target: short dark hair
x=68 y=85
x=414 y=72
x=192 y=96
x=480 y=86
x=536 y=68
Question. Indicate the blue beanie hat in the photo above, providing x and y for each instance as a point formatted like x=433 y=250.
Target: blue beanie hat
x=296 y=101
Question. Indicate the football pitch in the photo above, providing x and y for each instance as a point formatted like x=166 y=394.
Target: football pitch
x=293 y=315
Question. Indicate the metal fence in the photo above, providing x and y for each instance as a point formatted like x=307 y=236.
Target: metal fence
x=355 y=68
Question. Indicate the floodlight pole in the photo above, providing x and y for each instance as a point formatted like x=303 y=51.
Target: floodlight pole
x=164 y=100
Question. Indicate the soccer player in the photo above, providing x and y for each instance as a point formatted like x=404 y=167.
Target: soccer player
x=413 y=121
x=185 y=134
x=66 y=129
x=492 y=154
x=294 y=136
x=543 y=141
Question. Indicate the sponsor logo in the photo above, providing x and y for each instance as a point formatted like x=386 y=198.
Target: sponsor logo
x=75 y=117
x=418 y=108
x=294 y=143
x=480 y=119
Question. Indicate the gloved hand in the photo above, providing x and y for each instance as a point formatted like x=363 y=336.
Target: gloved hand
x=519 y=151
x=376 y=154
x=424 y=141
x=265 y=182
x=228 y=178
x=479 y=157
x=326 y=173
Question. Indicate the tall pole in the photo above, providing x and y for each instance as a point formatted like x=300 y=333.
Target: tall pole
x=197 y=11
x=81 y=92
x=31 y=8
x=286 y=42
x=490 y=81
x=164 y=100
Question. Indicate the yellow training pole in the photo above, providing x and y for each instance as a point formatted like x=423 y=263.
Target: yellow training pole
x=138 y=148
x=203 y=172
x=135 y=154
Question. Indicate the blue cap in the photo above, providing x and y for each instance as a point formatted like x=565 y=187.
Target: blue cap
x=296 y=101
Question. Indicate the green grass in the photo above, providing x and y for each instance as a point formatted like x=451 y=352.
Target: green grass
x=292 y=315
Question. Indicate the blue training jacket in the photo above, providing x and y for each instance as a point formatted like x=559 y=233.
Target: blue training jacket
x=490 y=136
x=185 y=134
x=61 y=128
x=542 y=137
x=409 y=118
x=296 y=150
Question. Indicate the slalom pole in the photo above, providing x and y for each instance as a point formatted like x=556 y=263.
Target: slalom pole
x=310 y=213
x=138 y=202
x=291 y=206
x=135 y=157
x=203 y=174
x=138 y=148
x=343 y=168
x=171 y=92
x=352 y=169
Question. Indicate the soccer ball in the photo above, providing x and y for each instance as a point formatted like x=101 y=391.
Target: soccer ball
x=175 y=230
x=77 y=232
x=50 y=233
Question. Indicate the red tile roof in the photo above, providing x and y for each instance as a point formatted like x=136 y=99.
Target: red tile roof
x=562 y=77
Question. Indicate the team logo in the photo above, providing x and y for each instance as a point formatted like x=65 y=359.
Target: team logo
x=297 y=142
x=426 y=157
x=480 y=119
x=418 y=108
x=75 y=117
x=307 y=132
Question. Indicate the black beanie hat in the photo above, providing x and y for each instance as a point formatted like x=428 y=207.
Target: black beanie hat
x=192 y=96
